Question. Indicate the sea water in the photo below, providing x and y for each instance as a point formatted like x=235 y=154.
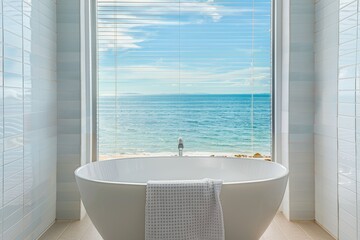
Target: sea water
x=210 y=124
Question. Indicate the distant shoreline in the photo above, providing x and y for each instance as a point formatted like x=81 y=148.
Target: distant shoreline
x=191 y=154
x=183 y=94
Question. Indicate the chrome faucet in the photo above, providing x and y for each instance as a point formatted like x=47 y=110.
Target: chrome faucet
x=180 y=146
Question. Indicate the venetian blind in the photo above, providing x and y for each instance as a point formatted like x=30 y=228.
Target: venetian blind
x=157 y=61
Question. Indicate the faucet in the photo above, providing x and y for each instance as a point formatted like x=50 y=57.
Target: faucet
x=180 y=146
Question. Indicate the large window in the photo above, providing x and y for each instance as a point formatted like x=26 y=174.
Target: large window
x=199 y=69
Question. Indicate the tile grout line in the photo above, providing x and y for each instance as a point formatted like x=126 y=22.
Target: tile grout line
x=62 y=232
x=303 y=230
x=72 y=224
x=326 y=230
x=275 y=220
x=87 y=230
x=306 y=233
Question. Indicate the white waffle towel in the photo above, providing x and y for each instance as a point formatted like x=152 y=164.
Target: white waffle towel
x=184 y=210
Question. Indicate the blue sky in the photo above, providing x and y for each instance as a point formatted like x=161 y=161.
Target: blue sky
x=214 y=47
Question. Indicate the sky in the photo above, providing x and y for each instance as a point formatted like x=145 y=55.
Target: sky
x=184 y=46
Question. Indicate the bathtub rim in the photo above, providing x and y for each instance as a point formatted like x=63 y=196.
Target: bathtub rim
x=285 y=174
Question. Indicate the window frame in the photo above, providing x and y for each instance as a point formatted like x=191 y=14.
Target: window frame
x=90 y=23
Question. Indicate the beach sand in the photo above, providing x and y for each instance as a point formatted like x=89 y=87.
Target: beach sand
x=192 y=154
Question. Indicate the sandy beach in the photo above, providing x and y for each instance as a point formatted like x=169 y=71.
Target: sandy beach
x=198 y=154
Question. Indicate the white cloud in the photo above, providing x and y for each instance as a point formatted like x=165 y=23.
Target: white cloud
x=132 y=32
x=148 y=7
x=191 y=78
x=147 y=14
x=111 y=39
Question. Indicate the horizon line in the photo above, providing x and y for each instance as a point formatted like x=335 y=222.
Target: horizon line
x=172 y=94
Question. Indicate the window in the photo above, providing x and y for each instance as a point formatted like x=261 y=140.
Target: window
x=197 y=69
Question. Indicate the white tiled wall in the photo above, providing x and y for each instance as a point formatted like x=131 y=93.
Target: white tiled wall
x=347 y=117
x=69 y=108
x=28 y=124
x=325 y=125
x=298 y=108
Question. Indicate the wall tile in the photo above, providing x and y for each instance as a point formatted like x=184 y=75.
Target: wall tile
x=27 y=88
x=298 y=113
x=348 y=119
x=69 y=108
x=326 y=119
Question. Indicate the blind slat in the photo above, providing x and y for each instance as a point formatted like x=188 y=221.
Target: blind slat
x=162 y=64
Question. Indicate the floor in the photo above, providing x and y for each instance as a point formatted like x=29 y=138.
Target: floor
x=279 y=229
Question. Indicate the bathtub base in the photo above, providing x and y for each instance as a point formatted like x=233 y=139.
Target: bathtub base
x=114 y=192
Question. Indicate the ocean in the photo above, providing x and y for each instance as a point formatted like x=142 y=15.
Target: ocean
x=209 y=124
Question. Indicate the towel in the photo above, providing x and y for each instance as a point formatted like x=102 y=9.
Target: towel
x=179 y=210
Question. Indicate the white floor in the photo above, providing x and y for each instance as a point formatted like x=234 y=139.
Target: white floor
x=280 y=229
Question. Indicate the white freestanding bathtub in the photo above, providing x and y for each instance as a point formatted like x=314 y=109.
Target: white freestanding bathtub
x=113 y=192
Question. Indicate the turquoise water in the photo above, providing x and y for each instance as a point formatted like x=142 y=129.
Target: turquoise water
x=239 y=124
